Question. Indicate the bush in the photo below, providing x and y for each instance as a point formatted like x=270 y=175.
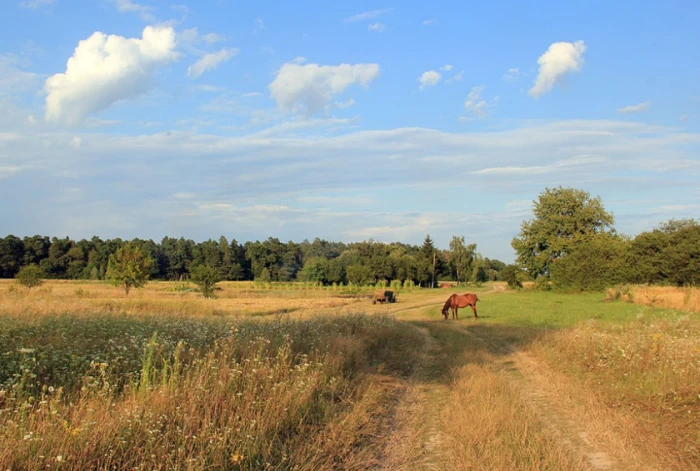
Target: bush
x=30 y=276
x=510 y=274
x=593 y=266
x=206 y=278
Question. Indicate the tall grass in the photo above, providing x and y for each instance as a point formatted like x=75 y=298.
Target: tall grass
x=685 y=299
x=166 y=298
x=649 y=367
x=116 y=392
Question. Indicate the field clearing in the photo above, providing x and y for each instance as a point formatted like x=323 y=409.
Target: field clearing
x=686 y=299
x=172 y=298
x=329 y=381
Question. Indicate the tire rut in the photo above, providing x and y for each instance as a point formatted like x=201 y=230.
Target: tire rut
x=520 y=367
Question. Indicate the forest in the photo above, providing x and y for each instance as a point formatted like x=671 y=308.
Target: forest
x=270 y=260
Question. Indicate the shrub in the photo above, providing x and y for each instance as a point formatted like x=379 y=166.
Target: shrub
x=510 y=274
x=30 y=276
x=206 y=277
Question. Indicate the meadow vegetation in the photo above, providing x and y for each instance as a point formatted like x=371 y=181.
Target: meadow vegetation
x=292 y=377
x=146 y=392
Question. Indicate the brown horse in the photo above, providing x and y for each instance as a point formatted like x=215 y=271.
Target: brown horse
x=456 y=301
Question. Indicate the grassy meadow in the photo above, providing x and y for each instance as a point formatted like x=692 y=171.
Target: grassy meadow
x=294 y=376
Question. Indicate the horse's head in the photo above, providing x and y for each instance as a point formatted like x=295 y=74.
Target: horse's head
x=444 y=312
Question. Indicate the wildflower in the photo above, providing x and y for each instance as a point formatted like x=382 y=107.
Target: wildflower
x=59 y=458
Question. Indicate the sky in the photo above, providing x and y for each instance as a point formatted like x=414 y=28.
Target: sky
x=347 y=121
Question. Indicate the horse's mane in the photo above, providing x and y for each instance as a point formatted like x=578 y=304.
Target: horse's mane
x=447 y=304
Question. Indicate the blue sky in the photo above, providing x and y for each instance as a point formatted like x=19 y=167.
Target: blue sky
x=346 y=121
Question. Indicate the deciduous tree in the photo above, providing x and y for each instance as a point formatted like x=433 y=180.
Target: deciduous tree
x=564 y=218
x=129 y=267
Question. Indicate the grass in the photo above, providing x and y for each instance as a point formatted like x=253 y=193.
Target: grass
x=171 y=298
x=294 y=378
x=118 y=392
x=686 y=299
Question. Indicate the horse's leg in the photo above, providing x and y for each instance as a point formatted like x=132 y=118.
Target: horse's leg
x=474 y=309
x=456 y=312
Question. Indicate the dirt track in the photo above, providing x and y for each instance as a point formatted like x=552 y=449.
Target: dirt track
x=576 y=425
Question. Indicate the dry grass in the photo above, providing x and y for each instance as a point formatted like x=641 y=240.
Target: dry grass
x=648 y=370
x=487 y=426
x=683 y=299
x=166 y=298
x=106 y=393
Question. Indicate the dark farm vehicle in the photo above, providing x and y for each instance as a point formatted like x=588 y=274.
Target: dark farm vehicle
x=384 y=297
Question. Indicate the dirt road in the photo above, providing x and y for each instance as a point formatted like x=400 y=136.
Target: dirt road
x=478 y=400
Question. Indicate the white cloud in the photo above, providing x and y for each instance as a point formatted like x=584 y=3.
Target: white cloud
x=368 y=15
x=542 y=169
x=560 y=59
x=192 y=36
x=446 y=67
x=311 y=86
x=34 y=4
x=105 y=69
x=430 y=22
x=210 y=62
x=683 y=117
x=456 y=77
x=429 y=79
x=615 y=159
x=337 y=200
x=260 y=23
x=474 y=103
x=634 y=108
x=127 y=6
x=512 y=75
x=344 y=104
x=377 y=27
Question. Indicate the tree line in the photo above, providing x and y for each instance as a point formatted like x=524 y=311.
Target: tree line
x=571 y=244
x=319 y=261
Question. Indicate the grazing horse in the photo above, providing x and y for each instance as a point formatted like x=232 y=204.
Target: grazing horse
x=460 y=300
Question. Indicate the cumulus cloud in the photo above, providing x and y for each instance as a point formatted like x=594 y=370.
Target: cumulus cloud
x=210 y=62
x=105 y=69
x=446 y=67
x=311 y=87
x=377 y=27
x=559 y=60
x=429 y=79
x=634 y=108
x=368 y=15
